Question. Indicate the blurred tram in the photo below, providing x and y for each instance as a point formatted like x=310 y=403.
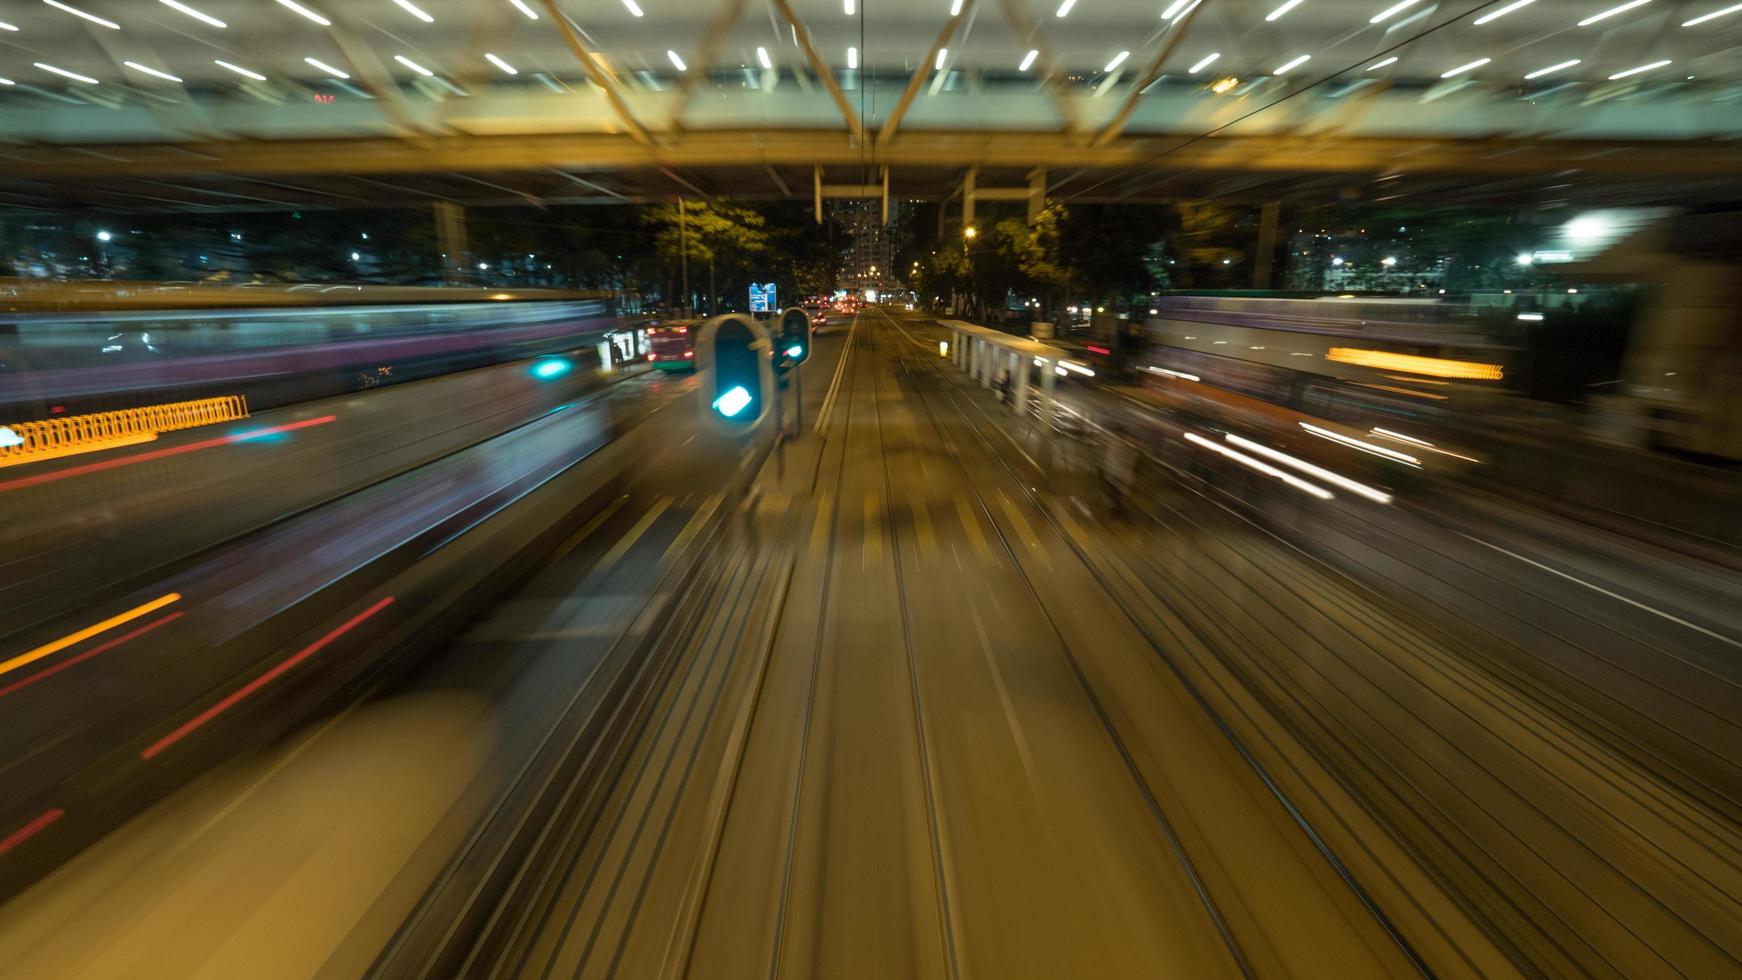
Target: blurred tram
x=75 y=349
x=1403 y=367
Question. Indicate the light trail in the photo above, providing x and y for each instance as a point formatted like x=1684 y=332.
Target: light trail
x=109 y=464
x=49 y=649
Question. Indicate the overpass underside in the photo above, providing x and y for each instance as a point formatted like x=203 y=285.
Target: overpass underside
x=280 y=149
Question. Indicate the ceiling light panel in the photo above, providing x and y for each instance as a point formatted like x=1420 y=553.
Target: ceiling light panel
x=195 y=14
x=87 y=15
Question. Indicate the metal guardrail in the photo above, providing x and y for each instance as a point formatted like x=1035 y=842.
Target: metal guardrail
x=30 y=442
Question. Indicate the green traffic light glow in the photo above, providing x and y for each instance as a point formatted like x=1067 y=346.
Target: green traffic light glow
x=794 y=351
x=732 y=402
x=550 y=367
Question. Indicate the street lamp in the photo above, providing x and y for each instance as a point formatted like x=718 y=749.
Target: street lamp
x=1525 y=258
x=103 y=236
x=970 y=231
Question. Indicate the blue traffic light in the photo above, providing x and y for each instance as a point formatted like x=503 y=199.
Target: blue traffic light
x=551 y=368
x=732 y=402
x=795 y=350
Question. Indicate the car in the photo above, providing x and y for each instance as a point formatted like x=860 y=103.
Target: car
x=819 y=317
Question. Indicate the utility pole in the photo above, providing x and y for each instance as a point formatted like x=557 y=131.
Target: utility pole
x=683 y=251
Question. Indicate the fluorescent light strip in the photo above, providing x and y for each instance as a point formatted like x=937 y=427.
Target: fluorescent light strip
x=1381 y=64
x=762 y=59
x=62 y=72
x=7 y=81
x=1635 y=71
x=1503 y=11
x=1065 y=8
x=1551 y=69
x=676 y=62
x=1365 y=447
x=1205 y=62
x=1588 y=21
x=1479 y=62
x=414 y=66
x=499 y=63
x=1260 y=466
x=1292 y=63
x=1334 y=479
x=1028 y=59
x=634 y=7
x=415 y=11
x=304 y=11
x=191 y=12
x=6 y=27
x=136 y=66
x=76 y=12
x=1395 y=9
x=847 y=7
x=1174 y=10
x=1688 y=23
x=521 y=6
x=1171 y=374
x=853 y=58
x=329 y=69
x=955 y=8
x=238 y=69
x=1287 y=5
x=943 y=56
x=1118 y=59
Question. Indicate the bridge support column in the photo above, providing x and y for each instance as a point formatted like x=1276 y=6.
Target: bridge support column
x=1266 y=255
x=1019 y=385
x=450 y=221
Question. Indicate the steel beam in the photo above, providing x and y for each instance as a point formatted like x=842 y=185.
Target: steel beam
x=590 y=64
x=1117 y=124
x=824 y=73
x=893 y=123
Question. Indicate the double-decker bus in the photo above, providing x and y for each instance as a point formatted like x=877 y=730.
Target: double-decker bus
x=670 y=346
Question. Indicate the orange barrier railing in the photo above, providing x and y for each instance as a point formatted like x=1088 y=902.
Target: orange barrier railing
x=29 y=442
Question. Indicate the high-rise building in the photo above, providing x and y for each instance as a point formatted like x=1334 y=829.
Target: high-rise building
x=868 y=260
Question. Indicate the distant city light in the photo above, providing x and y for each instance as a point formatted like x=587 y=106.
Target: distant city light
x=356 y=256
x=483 y=266
x=1337 y=261
x=1388 y=260
x=103 y=236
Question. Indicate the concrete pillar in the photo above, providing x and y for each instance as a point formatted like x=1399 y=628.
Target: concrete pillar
x=1047 y=378
x=1261 y=262
x=1019 y=384
x=450 y=222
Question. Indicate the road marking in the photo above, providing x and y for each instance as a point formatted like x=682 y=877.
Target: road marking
x=1023 y=529
x=835 y=384
x=928 y=541
x=873 y=550
x=820 y=529
x=976 y=537
x=694 y=526
x=587 y=529
x=622 y=547
x=1721 y=638
x=1016 y=732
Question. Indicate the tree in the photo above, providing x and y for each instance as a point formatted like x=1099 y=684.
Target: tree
x=716 y=233
x=1035 y=248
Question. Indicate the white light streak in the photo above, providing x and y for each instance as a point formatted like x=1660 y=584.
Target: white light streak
x=847 y=7
x=414 y=66
x=1171 y=374
x=943 y=56
x=1479 y=62
x=1260 y=466
x=1065 y=8
x=76 y=12
x=1381 y=64
x=1175 y=9
x=7 y=81
x=1688 y=23
x=1028 y=59
x=1292 y=63
x=415 y=11
x=1635 y=71
x=1334 y=479
x=191 y=12
x=304 y=11
x=329 y=69
x=238 y=69
x=1503 y=11
x=1365 y=447
x=1392 y=11
x=1552 y=68
x=853 y=58
x=521 y=6
x=1530 y=316
x=1205 y=62
x=762 y=59
x=634 y=7
x=1118 y=59
x=1423 y=443
x=1287 y=5
x=1605 y=15
x=955 y=8
x=676 y=62
x=1078 y=368
x=62 y=72
x=136 y=66
x=6 y=27
x=499 y=63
